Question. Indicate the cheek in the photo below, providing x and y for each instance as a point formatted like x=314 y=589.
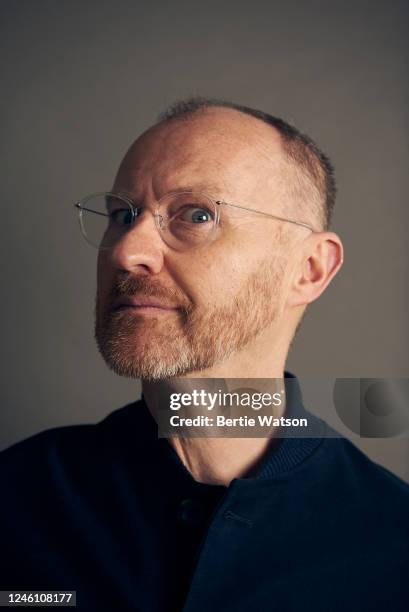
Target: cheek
x=216 y=277
x=247 y=250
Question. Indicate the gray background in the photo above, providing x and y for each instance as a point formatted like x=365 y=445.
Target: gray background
x=82 y=79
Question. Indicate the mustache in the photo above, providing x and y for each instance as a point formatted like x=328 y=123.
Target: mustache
x=144 y=286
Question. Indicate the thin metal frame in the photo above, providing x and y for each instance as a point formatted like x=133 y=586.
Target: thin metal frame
x=80 y=207
x=260 y=212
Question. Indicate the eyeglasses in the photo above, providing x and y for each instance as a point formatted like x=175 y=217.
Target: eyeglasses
x=184 y=219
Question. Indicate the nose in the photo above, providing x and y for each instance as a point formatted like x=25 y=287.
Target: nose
x=141 y=248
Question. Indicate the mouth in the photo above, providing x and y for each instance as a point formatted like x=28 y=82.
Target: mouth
x=155 y=310
x=145 y=306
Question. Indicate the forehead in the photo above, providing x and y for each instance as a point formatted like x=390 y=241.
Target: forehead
x=222 y=149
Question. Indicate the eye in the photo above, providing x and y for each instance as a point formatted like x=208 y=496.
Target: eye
x=121 y=216
x=195 y=214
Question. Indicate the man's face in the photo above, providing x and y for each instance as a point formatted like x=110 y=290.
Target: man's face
x=223 y=294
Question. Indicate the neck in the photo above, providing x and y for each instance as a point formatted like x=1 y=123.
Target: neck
x=218 y=460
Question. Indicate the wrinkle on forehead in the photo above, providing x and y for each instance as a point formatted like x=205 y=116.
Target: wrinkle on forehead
x=220 y=147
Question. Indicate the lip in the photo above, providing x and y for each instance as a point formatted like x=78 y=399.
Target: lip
x=143 y=304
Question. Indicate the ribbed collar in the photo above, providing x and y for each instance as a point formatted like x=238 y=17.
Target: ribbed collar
x=292 y=449
x=284 y=456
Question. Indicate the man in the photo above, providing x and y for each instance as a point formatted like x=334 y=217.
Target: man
x=212 y=242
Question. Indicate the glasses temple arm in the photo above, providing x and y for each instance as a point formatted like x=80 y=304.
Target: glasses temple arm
x=92 y=211
x=260 y=212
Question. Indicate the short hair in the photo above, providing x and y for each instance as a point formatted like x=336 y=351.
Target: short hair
x=313 y=180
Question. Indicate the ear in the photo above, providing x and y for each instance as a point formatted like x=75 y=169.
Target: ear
x=322 y=257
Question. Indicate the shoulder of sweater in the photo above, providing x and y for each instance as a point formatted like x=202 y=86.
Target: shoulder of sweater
x=344 y=462
x=98 y=441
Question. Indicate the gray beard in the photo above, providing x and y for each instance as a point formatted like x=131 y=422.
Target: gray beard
x=191 y=340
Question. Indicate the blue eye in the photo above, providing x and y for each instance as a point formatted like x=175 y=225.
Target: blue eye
x=196 y=215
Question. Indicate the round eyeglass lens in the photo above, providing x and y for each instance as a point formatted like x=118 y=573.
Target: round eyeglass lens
x=104 y=218
x=186 y=219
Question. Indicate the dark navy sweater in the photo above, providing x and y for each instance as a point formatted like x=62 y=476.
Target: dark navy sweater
x=109 y=510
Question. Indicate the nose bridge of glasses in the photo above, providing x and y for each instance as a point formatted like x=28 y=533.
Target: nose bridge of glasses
x=142 y=216
x=140 y=208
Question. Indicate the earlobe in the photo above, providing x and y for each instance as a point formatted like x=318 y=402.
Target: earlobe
x=320 y=262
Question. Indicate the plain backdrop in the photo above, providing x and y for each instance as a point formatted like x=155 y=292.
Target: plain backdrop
x=82 y=79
